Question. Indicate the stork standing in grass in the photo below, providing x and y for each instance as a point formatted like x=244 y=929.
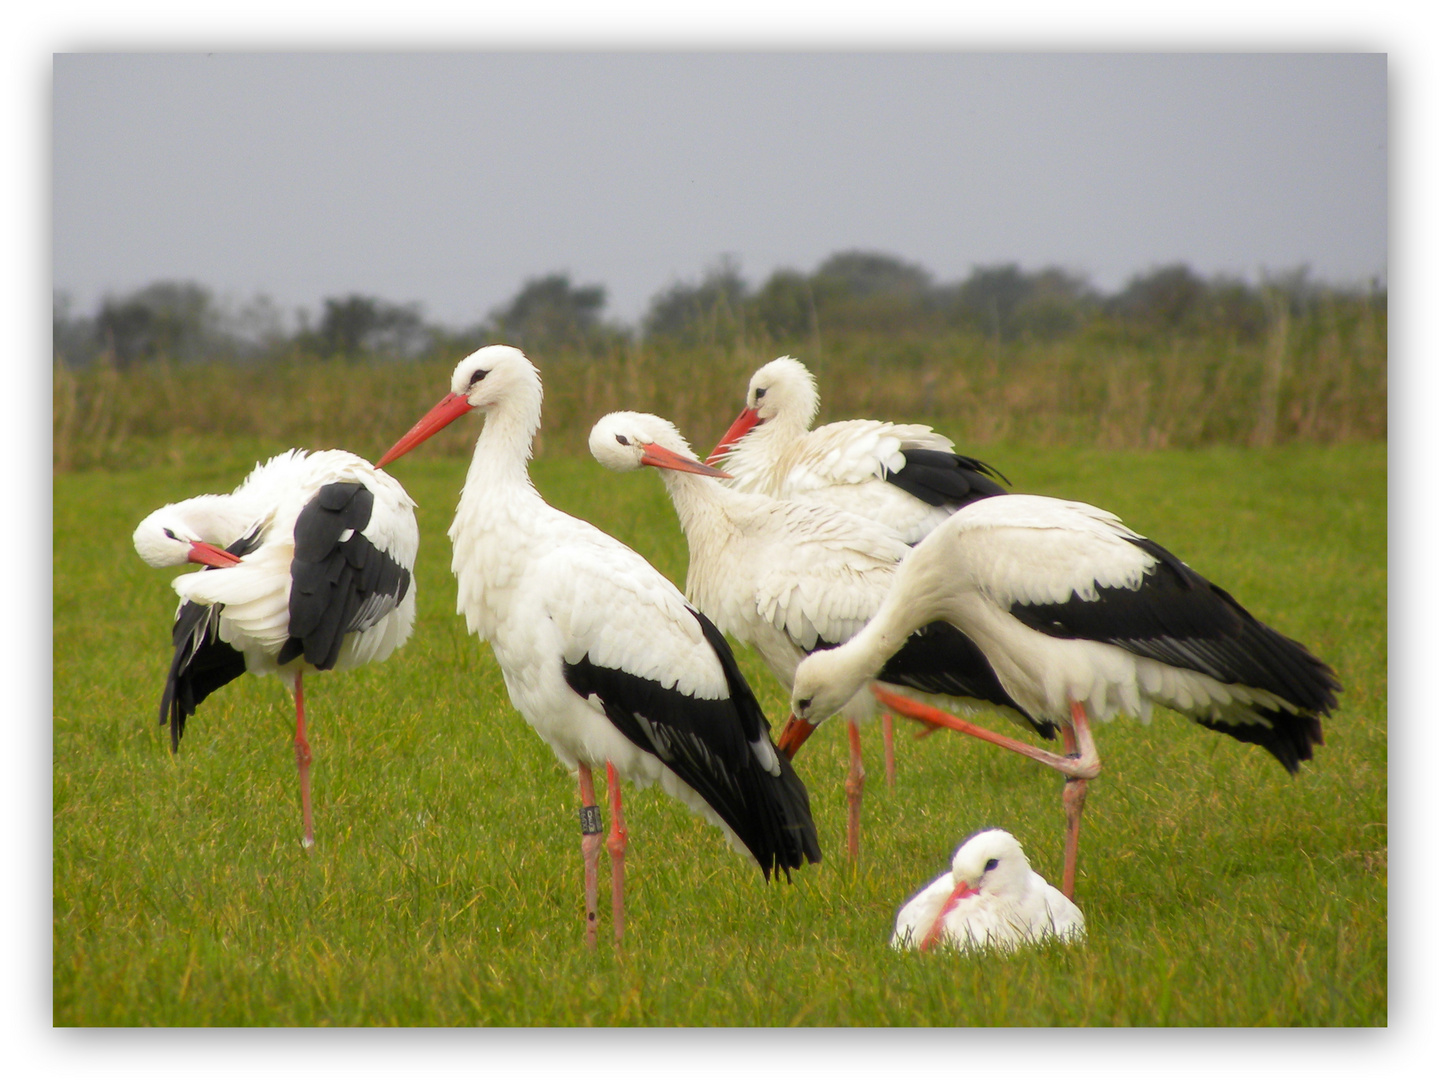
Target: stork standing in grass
x=1080 y=619
x=601 y=654
x=308 y=567
x=790 y=578
x=907 y=477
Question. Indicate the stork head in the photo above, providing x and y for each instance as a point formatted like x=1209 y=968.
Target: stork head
x=782 y=392
x=164 y=539
x=624 y=441
x=992 y=862
x=484 y=380
x=824 y=682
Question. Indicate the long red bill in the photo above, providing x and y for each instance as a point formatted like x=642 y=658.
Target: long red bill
x=210 y=555
x=450 y=408
x=793 y=735
x=961 y=891
x=747 y=419
x=662 y=458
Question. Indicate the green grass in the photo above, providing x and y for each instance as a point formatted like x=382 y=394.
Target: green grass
x=445 y=885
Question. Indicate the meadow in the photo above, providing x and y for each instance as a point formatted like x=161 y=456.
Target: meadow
x=445 y=885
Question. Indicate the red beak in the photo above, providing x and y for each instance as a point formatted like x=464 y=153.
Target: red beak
x=747 y=419
x=210 y=555
x=961 y=891
x=450 y=408
x=793 y=735
x=668 y=459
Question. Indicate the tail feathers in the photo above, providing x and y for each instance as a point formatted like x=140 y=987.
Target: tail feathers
x=779 y=830
x=1290 y=738
x=202 y=663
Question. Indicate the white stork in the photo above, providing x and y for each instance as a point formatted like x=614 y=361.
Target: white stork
x=308 y=567
x=905 y=476
x=600 y=653
x=1081 y=619
x=790 y=578
x=990 y=898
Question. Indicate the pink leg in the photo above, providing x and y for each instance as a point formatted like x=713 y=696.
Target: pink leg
x=1078 y=731
x=1084 y=766
x=1080 y=764
x=302 y=762
x=617 y=843
x=854 y=789
x=589 y=849
x=887 y=723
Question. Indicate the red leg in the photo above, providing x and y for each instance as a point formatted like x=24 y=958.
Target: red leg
x=887 y=723
x=854 y=789
x=589 y=849
x=1085 y=766
x=302 y=762
x=619 y=840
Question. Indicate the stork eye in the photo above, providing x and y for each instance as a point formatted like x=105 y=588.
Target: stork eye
x=805 y=703
x=622 y=440
x=171 y=535
x=760 y=392
x=991 y=865
x=475 y=379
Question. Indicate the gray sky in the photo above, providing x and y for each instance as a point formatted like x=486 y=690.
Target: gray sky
x=450 y=179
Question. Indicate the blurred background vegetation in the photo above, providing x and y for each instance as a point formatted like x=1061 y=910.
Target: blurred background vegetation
x=1172 y=359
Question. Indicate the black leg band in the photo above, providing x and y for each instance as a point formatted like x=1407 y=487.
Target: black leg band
x=590 y=821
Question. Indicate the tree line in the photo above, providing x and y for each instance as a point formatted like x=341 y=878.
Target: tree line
x=851 y=294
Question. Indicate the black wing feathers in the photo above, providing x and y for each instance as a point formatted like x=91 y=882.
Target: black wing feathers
x=339 y=581
x=706 y=743
x=1180 y=618
x=202 y=663
x=941 y=478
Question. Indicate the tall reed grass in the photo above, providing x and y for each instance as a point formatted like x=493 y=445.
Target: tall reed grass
x=1316 y=379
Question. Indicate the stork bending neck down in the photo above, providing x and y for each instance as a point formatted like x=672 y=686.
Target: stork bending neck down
x=1081 y=619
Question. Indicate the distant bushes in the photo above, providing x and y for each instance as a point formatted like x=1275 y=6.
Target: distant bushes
x=1319 y=376
x=1172 y=359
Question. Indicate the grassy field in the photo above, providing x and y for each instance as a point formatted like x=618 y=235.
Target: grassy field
x=445 y=885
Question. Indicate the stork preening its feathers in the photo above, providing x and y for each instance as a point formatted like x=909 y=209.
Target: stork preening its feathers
x=601 y=654
x=1080 y=619
x=308 y=567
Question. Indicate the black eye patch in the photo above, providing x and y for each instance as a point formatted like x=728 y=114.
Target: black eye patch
x=622 y=440
x=992 y=864
x=760 y=392
x=171 y=535
x=476 y=378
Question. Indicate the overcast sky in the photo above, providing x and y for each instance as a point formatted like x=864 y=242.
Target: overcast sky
x=451 y=179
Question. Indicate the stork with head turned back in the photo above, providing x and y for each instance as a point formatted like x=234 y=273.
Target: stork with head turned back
x=308 y=567
x=790 y=578
x=600 y=653
x=1082 y=618
x=906 y=477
